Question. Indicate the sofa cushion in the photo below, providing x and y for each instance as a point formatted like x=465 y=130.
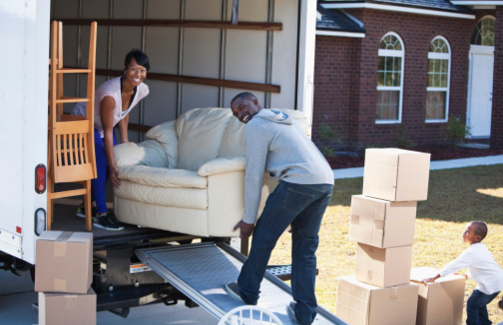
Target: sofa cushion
x=233 y=139
x=148 y=153
x=188 y=198
x=163 y=177
x=200 y=133
x=165 y=133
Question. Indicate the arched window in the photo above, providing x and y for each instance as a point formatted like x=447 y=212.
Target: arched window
x=483 y=33
x=390 y=80
x=437 y=92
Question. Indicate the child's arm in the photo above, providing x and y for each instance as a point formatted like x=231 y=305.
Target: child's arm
x=431 y=279
x=462 y=262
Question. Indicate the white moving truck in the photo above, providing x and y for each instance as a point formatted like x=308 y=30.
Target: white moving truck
x=198 y=59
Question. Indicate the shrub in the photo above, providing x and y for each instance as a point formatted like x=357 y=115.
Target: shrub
x=330 y=138
x=457 y=131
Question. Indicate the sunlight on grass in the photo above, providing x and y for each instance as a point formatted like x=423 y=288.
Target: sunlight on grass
x=454 y=198
x=496 y=192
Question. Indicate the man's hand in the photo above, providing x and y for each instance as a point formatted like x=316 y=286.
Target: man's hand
x=246 y=229
x=429 y=280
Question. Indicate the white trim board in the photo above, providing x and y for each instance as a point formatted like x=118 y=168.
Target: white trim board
x=339 y=34
x=397 y=9
x=477 y=3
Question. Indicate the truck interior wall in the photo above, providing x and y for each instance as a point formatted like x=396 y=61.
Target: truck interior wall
x=230 y=54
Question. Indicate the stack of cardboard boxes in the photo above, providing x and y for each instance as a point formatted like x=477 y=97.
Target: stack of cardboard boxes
x=382 y=222
x=63 y=277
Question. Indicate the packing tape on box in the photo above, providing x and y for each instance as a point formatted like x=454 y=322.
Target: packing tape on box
x=355 y=219
x=60 y=244
x=60 y=285
x=393 y=296
x=379 y=225
x=369 y=275
x=70 y=302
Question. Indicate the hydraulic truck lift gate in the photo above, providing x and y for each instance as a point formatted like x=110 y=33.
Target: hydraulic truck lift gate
x=200 y=271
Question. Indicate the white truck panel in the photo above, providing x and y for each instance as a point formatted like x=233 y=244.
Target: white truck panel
x=24 y=26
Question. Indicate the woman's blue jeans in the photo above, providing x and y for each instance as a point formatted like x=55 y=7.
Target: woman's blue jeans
x=303 y=207
x=476 y=308
x=99 y=184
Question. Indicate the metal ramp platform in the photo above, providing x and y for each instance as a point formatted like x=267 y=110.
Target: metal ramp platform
x=200 y=271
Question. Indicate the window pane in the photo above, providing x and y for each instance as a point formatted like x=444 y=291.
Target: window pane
x=438 y=45
x=387 y=105
x=435 y=105
x=484 y=33
x=380 y=78
x=390 y=42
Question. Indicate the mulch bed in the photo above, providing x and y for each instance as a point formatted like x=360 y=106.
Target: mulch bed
x=437 y=153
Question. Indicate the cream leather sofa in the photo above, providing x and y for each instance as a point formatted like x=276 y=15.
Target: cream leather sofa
x=188 y=177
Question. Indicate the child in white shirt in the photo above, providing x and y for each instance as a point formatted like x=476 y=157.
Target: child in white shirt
x=482 y=268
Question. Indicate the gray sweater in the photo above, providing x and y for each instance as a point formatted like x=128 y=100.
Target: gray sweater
x=277 y=144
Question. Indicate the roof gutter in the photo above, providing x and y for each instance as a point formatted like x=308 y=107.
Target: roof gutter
x=398 y=9
x=478 y=3
x=339 y=34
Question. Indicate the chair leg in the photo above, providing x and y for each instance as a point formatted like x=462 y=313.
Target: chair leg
x=87 y=200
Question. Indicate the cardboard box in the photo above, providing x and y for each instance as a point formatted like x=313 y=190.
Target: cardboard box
x=362 y=304
x=382 y=223
x=440 y=302
x=64 y=309
x=64 y=262
x=396 y=175
x=383 y=267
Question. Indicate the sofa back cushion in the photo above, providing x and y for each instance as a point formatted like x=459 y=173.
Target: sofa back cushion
x=233 y=139
x=200 y=133
x=165 y=134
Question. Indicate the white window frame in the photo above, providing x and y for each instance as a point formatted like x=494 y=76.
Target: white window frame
x=399 y=54
x=441 y=56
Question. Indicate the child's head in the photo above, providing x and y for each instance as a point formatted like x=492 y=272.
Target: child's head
x=475 y=232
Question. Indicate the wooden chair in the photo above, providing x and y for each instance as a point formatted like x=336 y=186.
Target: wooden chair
x=71 y=157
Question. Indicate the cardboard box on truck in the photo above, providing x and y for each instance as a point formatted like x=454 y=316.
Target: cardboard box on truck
x=65 y=309
x=362 y=304
x=440 y=302
x=383 y=267
x=64 y=262
x=396 y=175
x=381 y=223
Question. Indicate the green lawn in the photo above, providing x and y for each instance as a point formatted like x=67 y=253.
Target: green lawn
x=455 y=197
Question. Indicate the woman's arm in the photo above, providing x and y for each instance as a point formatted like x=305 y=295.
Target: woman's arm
x=123 y=129
x=107 y=120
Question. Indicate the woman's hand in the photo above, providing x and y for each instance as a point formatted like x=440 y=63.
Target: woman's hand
x=114 y=176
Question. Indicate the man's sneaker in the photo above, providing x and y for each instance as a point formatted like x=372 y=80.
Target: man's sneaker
x=81 y=212
x=108 y=222
x=232 y=290
x=290 y=310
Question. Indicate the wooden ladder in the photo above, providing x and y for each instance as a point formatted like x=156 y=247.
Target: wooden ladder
x=71 y=156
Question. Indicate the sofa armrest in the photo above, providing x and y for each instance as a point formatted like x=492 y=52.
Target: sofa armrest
x=149 y=153
x=222 y=165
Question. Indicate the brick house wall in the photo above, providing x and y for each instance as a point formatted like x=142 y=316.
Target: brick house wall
x=497 y=112
x=356 y=76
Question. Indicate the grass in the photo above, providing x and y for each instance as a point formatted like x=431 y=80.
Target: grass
x=455 y=197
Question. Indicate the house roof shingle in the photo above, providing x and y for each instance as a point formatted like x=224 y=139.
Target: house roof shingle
x=336 y=20
x=443 y=5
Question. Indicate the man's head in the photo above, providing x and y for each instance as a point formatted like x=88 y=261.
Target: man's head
x=244 y=106
x=475 y=232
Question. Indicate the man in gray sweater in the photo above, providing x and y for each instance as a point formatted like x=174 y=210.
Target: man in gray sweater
x=275 y=143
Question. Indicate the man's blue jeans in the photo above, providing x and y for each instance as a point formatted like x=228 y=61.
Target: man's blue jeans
x=303 y=207
x=476 y=308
